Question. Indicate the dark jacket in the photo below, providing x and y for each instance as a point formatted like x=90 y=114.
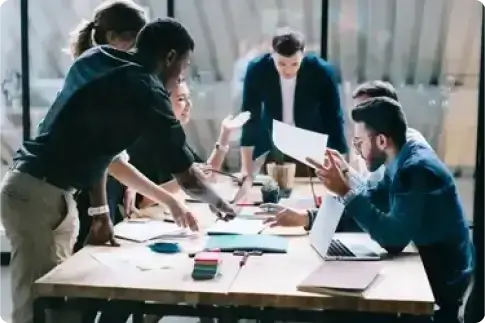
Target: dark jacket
x=422 y=206
x=316 y=106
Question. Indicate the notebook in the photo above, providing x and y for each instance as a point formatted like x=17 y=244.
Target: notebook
x=145 y=231
x=342 y=278
x=237 y=226
x=263 y=243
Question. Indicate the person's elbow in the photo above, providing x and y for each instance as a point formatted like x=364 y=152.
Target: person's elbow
x=391 y=234
x=116 y=167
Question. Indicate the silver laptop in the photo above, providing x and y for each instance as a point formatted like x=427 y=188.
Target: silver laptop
x=330 y=248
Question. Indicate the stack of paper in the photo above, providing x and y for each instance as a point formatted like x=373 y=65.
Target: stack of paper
x=135 y=259
x=299 y=143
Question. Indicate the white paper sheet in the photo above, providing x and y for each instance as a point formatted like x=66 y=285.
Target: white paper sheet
x=145 y=231
x=237 y=226
x=137 y=259
x=299 y=143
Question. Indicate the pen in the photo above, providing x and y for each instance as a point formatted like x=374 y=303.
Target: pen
x=223 y=173
x=244 y=259
x=249 y=204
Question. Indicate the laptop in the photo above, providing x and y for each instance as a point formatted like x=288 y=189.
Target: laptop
x=331 y=248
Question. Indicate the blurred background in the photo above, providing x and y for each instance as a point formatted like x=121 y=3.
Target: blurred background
x=429 y=49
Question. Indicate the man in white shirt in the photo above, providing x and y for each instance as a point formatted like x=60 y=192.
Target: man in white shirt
x=295 y=88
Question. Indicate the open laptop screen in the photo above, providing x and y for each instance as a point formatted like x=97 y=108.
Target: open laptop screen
x=325 y=224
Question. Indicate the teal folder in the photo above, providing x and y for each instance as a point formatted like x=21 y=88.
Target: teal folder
x=247 y=242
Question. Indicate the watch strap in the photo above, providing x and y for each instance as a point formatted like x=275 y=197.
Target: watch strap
x=103 y=209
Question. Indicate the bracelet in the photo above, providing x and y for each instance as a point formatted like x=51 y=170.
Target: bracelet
x=222 y=148
x=311 y=218
x=92 y=211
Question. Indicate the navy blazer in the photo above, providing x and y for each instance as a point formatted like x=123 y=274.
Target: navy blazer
x=316 y=105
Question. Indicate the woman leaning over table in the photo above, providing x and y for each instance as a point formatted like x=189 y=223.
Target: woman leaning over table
x=141 y=158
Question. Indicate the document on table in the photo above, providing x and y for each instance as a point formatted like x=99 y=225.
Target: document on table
x=237 y=226
x=299 y=143
x=134 y=258
x=149 y=230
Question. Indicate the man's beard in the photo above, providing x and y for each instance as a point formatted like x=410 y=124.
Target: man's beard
x=376 y=159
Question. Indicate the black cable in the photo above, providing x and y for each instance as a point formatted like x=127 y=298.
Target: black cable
x=312 y=187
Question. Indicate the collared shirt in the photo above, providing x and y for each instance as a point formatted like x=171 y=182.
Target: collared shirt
x=108 y=101
x=422 y=206
x=411 y=134
x=288 y=99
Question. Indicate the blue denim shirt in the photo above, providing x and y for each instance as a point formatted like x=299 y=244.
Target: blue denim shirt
x=417 y=200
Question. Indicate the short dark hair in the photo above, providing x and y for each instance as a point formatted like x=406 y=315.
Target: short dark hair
x=382 y=115
x=373 y=89
x=287 y=42
x=162 y=36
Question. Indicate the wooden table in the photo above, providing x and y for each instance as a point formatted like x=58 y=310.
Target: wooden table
x=271 y=281
x=266 y=281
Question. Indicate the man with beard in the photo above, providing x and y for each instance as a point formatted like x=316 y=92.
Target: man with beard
x=299 y=217
x=422 y=204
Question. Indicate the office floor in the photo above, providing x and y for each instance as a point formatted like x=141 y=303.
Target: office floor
x=465 y=186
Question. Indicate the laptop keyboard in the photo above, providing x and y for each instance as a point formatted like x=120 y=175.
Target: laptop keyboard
x=338 y=249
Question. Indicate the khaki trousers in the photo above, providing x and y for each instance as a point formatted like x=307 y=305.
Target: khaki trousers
x=42 y=224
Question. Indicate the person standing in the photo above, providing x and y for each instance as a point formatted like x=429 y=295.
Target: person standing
x=105 y=89
x=293 y=87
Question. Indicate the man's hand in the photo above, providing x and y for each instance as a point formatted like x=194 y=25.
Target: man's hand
x=333 y=176
x=340 y=160
x=101 y=231
x=224 y=211
x=182 y=216
x=285 y=216
x=206 y=170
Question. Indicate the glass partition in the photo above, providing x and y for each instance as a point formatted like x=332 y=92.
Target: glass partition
x=50 y=26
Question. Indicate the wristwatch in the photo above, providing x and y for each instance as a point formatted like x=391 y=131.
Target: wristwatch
x=222 y=148
x=92 y=211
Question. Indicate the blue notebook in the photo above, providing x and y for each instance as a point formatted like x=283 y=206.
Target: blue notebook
x=248 y=242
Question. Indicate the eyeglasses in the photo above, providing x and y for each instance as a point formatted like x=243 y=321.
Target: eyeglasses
x=357 y=143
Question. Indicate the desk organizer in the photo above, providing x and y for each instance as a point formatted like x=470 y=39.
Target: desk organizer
x=206 y=265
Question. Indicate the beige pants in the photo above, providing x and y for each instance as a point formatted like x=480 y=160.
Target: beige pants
x=42 y=224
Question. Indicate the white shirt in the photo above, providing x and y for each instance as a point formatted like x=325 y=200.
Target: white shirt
x=288 y=99
x=123 y=156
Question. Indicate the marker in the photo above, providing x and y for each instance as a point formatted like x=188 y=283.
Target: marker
x=249 y=204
